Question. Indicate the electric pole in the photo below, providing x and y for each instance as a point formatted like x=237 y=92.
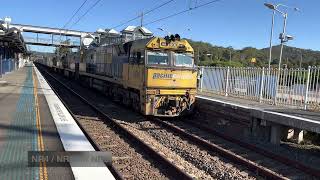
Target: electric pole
x=141 y=21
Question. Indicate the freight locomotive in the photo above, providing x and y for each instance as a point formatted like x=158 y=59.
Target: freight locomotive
x=154 y=75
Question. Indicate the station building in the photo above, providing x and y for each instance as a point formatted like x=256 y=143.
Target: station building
x=12 y=48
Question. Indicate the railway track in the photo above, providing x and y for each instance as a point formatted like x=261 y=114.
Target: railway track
x=136 y=159
x=264 y=163
x=195 y=160
x=128 y=122
x=286 y=161
x=135 y=129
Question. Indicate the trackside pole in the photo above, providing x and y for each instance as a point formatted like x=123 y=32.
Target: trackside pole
x=261 y=85
x=307 y=89
x=227 y=83
x=201 y=78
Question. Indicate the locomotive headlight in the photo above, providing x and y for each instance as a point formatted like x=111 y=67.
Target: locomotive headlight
x=181 y=46
x=150 y=98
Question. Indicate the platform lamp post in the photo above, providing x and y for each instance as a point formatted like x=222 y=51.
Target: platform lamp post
x=275 y=9
x=271 y=6
x=283 y=37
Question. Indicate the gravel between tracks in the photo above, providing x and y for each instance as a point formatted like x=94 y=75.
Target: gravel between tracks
x=207 y=162
x=131 y=164
x=169 y=154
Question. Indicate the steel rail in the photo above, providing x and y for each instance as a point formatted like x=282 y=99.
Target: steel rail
x=281 y=159
x=172 y=168
x=254 y=167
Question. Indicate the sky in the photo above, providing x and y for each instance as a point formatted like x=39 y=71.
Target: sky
x=236 y=23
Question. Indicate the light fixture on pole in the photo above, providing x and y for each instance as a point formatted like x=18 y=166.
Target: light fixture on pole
x=283 y=37
x=271 y=6
x=275 y=9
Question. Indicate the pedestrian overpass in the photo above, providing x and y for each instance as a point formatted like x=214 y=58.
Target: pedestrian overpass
x=48 y=36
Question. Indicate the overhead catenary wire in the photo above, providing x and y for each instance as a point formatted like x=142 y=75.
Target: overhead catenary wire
x=157 y=7
x=75 y=13
x=145 y=13
x=181 y=12
x=88 y=10
x=71 y=18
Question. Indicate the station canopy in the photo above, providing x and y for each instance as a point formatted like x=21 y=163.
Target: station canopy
x=12 y=38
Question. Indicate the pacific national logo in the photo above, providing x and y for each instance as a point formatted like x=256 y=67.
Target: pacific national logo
x=171 y=76
x=162 y=76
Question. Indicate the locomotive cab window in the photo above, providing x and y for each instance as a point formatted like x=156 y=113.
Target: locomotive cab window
x=140 y=57
x=184 y=60
x=137 y=58
x=158 y=58
x=132 y=58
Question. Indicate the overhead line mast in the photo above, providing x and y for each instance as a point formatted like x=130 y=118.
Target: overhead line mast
x=141 y=23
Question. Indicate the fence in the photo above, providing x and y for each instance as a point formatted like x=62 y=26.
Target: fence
x=6 y=65
x=293 y=88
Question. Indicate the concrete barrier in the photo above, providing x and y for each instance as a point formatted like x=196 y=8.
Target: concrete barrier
x=269 y=125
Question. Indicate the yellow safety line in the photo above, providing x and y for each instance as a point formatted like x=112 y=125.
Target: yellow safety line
x=37 y=122
x=43 y=167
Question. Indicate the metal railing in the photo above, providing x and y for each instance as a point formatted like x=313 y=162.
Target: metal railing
x=292 y=88
x=48 y=41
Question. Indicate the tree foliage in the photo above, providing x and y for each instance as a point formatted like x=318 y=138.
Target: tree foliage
x=207 y=54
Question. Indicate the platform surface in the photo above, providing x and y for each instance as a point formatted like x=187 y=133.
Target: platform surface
x=26 y=125
x=307 y=120
x=72 y=137
x=33 y=118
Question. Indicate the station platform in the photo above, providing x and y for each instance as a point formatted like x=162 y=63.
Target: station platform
x=30 y=120
x=296 y=118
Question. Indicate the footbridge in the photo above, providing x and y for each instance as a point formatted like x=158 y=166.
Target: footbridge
x=52 y=36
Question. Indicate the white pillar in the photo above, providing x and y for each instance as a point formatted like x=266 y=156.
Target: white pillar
x=298 y=135
x=307 y=89
x=227 y=82
x=261 y=85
